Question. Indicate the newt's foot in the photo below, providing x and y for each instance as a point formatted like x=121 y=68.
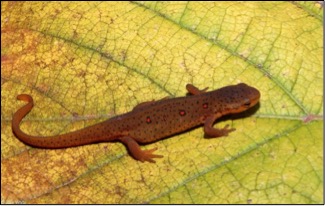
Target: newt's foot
x=225 y=131
x=147 y=155
x=214 y=132
x=136 y=152
x=194 y=90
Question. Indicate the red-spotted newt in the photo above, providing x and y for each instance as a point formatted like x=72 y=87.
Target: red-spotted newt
x=151 y=121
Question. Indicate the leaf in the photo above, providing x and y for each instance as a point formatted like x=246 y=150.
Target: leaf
x=86 y=62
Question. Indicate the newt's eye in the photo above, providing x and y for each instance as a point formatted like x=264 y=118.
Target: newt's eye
x=247 y=103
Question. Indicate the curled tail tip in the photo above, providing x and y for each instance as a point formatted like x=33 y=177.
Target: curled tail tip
x=25 y=97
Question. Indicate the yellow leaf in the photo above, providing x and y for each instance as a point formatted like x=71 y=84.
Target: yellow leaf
x=86 y=62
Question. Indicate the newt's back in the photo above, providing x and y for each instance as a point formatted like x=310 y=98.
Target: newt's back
x=167 y=117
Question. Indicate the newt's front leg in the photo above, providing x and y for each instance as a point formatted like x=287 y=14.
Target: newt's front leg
x=214 y=132
x=194 y=90
x=136 y=152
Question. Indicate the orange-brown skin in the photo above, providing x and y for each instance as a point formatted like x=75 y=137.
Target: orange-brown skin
x=151 y=121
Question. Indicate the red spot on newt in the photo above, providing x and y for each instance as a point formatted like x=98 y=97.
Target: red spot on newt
x=205 y=105
x=148 y=120
x=130 y=129
x=182 y=112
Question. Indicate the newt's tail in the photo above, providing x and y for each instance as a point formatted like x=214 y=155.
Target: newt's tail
x=84 y=136
x=19 y=115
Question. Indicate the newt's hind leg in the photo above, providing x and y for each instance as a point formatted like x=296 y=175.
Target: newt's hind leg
x=146 y=104
x=136 y=152
x=194 y=90
x=143 y=104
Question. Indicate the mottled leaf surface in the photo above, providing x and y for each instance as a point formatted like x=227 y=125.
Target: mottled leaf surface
x=84 y=62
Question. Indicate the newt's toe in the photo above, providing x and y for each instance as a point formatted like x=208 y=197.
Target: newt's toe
x=147 y=155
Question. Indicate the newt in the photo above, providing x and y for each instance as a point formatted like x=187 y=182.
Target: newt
x=150 y=121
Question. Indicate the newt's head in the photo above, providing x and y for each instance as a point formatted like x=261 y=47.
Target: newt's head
x=237 y=98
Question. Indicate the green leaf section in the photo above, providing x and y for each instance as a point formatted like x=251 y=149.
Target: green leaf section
x=86 y=62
